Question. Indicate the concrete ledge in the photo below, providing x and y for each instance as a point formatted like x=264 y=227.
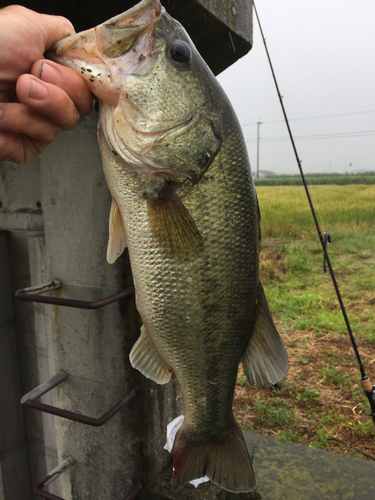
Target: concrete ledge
x=221 y=30
x=290 y=471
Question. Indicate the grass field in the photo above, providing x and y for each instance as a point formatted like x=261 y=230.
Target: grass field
x=341 y=210
x=320 y=402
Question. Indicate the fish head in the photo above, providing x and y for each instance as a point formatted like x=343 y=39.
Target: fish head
x=156 y=93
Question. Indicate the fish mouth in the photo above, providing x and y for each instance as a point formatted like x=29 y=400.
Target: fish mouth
x=93 y=53
x=115 y=36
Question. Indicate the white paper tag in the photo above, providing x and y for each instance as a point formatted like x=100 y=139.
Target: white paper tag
x=172 y=429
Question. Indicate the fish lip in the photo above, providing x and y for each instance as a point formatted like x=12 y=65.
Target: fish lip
x=123 y=21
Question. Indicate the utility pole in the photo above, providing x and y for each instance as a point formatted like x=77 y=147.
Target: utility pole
x=259 y=123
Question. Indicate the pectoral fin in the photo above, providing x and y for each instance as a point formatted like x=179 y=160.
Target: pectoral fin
x=145 y=358
x=265 y=360
x=117 y=236
x=171 y=223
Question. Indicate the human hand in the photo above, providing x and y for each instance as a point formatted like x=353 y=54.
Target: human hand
x=38 y=98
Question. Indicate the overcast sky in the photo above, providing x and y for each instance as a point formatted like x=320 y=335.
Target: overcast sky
x=323 y=54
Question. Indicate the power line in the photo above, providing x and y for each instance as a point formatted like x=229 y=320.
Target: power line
x=313 y=117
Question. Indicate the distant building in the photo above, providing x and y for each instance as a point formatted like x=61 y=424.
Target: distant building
x=264 y=173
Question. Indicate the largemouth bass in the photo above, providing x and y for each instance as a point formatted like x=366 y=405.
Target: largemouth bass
x=184 y=204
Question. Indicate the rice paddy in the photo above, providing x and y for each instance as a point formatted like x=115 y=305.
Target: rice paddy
x=346 y=209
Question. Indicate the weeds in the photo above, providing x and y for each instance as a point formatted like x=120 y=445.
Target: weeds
x=308 y=396
x=303 y=360
x=288 y=436
x=322 y=439
x=333 y=376
x=276 y=413
x=241 y=380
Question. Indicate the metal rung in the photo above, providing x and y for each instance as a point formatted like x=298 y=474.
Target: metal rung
x=50 y=477
x=137 y=488
x=35 y=294
x=45 y=387
x=29 y=400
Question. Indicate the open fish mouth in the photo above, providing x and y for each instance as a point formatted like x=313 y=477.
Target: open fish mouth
x=115 y=36
x=104 y=53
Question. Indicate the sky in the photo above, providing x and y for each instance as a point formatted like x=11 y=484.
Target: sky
x=323 y=55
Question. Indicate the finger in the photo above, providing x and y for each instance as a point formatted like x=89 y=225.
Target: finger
x=18 y=148
x=51 y=28
x=67 y=80
x=55 y=28
x=47 y=100
x=17 y=118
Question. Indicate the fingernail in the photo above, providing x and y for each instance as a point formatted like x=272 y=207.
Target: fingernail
x=38 y=90
x=49 y=73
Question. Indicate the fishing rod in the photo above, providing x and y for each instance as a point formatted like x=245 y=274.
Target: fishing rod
x=325 y=239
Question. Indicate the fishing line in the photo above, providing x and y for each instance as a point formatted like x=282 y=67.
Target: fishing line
x=325 y=239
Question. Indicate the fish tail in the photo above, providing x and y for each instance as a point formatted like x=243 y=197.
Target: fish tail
x=226 y=462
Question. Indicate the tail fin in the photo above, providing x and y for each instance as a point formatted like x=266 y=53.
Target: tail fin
x=226 y=462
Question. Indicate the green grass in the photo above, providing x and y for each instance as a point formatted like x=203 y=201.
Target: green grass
x=288 y=436
x=276 y=413
x=322 y=439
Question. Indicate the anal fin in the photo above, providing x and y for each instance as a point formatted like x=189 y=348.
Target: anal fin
x=265 y=360
x=117 y=235
x=145 y=358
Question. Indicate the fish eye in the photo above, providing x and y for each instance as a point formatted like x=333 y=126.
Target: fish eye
x=180 y=52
